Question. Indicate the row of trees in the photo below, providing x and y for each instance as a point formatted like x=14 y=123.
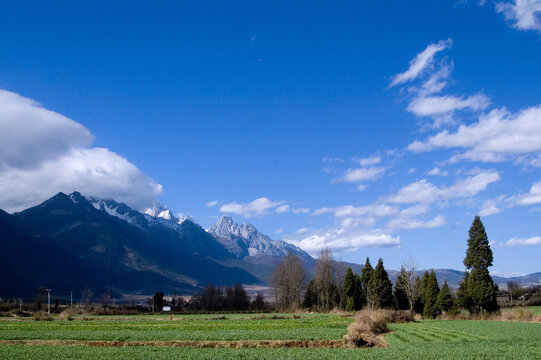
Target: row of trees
x=333 y=288
x=231 y=298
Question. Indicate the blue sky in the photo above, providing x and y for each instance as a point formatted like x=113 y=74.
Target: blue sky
x=379 y=129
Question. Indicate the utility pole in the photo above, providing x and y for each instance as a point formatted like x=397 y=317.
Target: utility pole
x=71 y=299
x=49 y=301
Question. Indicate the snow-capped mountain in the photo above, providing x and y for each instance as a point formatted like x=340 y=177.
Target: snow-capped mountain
x=245 y=240
x=160 y=211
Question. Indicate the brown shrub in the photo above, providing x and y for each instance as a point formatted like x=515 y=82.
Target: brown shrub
x=370 y=325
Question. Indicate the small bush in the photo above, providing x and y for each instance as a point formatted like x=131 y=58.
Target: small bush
x=42 y=316
x=370 y=325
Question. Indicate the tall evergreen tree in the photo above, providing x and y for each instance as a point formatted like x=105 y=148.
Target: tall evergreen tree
x=462 y=296
x=349 y=283
x=478 y=290
x=310 y=296
x=352 y=291
x=400 y=297
x=381 y=286
x=358 y=295
x=479 y=254
x=431 y=295
x=366 y=275
x=444 y=301
x=481 y=291
x=419 y=296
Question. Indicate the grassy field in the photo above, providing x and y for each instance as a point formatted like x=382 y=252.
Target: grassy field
x=431 y=339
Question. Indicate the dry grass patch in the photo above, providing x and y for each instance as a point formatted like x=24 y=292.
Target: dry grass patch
x=370 y=325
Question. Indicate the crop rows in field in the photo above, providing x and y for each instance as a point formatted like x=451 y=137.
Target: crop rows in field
x=304 y=328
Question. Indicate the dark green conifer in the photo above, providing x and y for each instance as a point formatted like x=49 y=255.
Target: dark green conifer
x=381 y=287
x=360 y=300
x=477 y=291
x=419 y=297
x=310 y=296
x=366 y=275
x=400 y=297
x=431 y=295
x=444 y=302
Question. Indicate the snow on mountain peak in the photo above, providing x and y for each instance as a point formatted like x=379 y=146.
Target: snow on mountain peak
x=162 y=212
x=183 y=217
x=246 y=240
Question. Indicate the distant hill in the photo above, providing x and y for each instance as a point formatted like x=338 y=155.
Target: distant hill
x=71 y=242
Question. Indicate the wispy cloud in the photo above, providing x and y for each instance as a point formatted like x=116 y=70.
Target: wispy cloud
x=257 y=207
x=211 y=203
x=424 y=101
x=423 y=191
x=524 y=241
x=495 y=137
x=340 y=240
x=532 y=197
x=523 y=14
x=420 y=62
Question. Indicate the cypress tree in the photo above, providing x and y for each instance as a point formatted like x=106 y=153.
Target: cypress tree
x=479 y=254
x=478 y=290
x=381 y=286
x=462 y=296
x=431 y=295
x=419 y=301
x=444 y=302
x=400 y=297
x=349 y=284
x=310 y=296
x=366 y=275
x=481 y=290
x=359 y=299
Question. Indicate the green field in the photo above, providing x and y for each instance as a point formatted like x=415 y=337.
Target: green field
x=430 y=339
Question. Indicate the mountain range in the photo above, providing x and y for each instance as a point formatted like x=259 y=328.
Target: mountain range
x=72 y=242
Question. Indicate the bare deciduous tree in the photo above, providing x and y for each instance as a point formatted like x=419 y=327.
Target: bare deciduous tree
x=407 y=282
x=86 y=296
x=324 y=278
x=106 y=299
x=288 y=280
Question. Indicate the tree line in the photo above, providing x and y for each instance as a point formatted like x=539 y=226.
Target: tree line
x=333 y=288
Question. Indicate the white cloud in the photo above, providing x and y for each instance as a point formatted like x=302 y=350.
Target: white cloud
x=490 y=207
x=31 y=134
x=420 y=62
x=302 y=230
x=301 y=211
x=258 y=207
x=96 y=172
x=524 y=241
x=377 y=210
x=363 y=174
x=340 y=239
x=373 y=160
x=424 y=102
x=211 y=203
x=282 y=209
x=437 y=171
x=425 y=192
x=523 y=13
x=444 y=105
x=411 y=223
x=533 y=197
x=496 y=137
x=329 y=159
x=43 y=153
